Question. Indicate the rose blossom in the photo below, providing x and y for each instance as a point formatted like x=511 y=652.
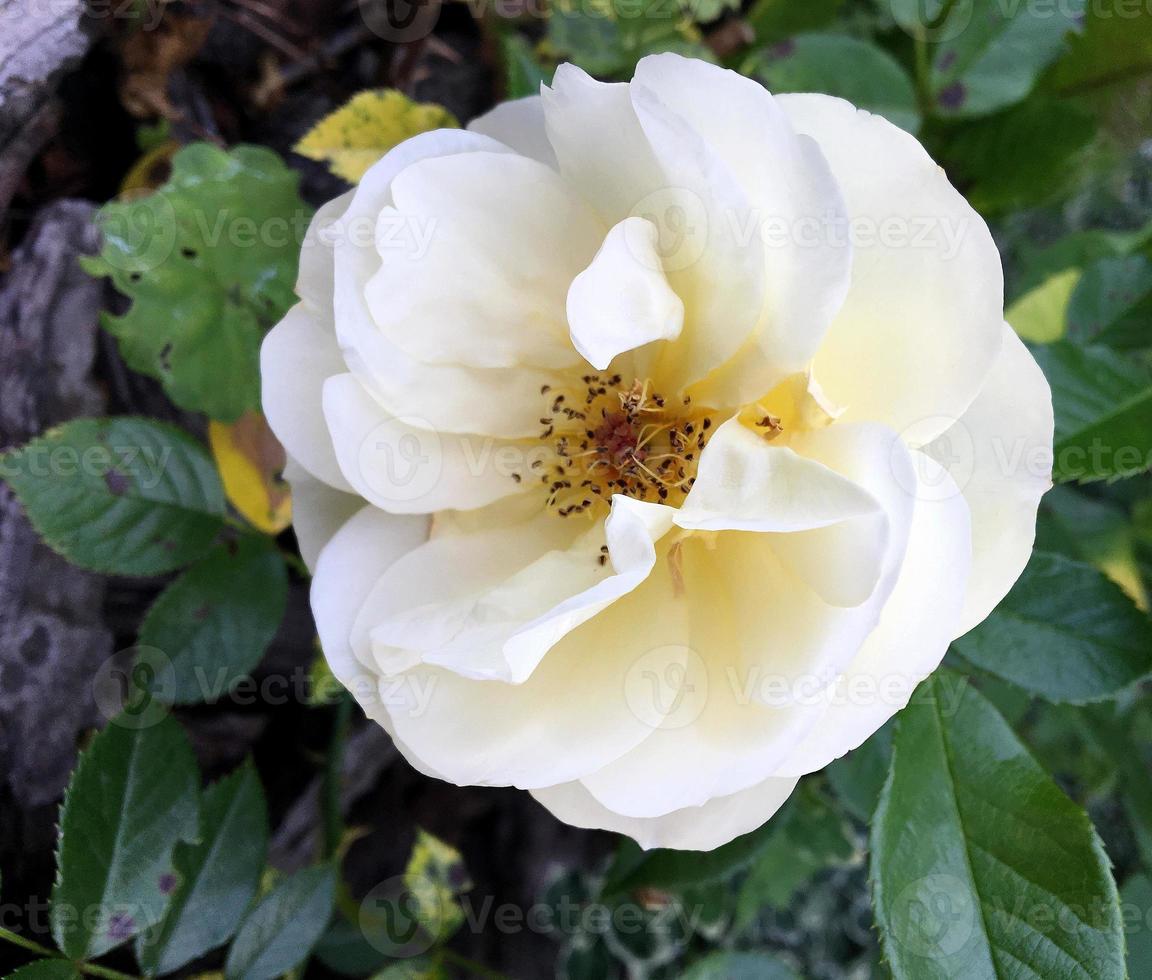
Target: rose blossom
x=650 y=442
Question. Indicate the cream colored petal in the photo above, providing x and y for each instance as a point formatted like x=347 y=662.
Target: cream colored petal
x=765 y=643
x=519 y=124
x=298 y=355
x=316 y=282
x=348 y=567
x=622 y=301
x=919 y=621
x=404 y=466
x=490 y=605
x=699 y=828
x=629 y=155
x=1000 y=455
x=570 y=717
x=453 y=398
x=478 y=252
x=920 y=327
x=795 y=208
x=600 y=148
x=318 y=511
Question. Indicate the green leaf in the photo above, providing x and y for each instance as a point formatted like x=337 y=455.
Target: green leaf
x=1072 y=524
x=1064 y=632
x=214 y=622
x=45 y=970
x=523 y=73
x=281 y=930
x=216 y=877
x=1103 y=406
x=858 y=777
x=132 y=797
x=345 y=949
x=835 y=64
x=1137 y=895
x=417 y=968
x=209 y=262
x=990 y=55
x=1075 y=251
x=808 y=836
x=1034 y=153
x=1114 y=48
x=662 y=868
x=1040 y=315
x=739 y=966
x=128 y=496
x=1112 y=304
x=777 y=20
x=981 y=866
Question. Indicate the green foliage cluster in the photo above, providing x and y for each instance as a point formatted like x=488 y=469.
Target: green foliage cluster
x=987 y=827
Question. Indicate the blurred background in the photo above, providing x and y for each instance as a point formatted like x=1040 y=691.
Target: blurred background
x=1039 y=111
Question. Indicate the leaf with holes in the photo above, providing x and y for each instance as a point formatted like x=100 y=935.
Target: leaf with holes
x=214 y=623
x=981 y=867
x=132 y=797
x=209 y=262
x=128 y=496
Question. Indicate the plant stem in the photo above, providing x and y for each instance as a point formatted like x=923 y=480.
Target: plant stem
x=18 y=940
x=923 y=76
x=333 y=771
x=91 y=969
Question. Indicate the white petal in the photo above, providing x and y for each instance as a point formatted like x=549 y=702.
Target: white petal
x=451 y=397
x=404 y=466
x=298 y=355
x=477 y=256
x=491 y=605
x=630 y=155
x=920 y=327
x=795 y=205
x=1000 y=454
x=622 y=300
x=600 y=148
x=765 y=644
x=348 y=567
x=316 y=283
x=570 y=717
x=699 y=828
x=519 y=124
x=918 y=622
x=318 y=511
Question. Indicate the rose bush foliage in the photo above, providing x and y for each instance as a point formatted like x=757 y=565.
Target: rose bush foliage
x=651 y=442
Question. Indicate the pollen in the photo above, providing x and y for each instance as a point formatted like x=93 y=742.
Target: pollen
x=607 y=436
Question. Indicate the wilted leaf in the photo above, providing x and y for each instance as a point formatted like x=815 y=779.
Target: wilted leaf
x=359 y=133
x=250 y=460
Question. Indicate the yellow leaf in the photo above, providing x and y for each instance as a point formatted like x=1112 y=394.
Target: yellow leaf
x=355 y=136
x=250 y=460
x=1039 y=315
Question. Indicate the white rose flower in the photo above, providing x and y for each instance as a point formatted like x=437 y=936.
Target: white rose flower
x=650 y=442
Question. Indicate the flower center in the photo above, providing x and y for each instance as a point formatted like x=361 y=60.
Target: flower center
x=606 y=437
